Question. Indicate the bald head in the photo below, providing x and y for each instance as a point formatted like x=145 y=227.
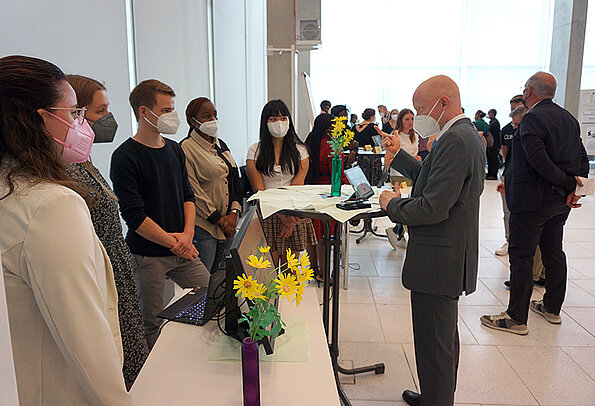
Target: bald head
x=544 y=85
x=443 y=90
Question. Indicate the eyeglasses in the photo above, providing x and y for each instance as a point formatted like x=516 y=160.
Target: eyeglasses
x=78 y=113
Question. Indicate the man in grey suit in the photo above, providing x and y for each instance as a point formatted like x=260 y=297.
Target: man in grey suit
x=443 y=218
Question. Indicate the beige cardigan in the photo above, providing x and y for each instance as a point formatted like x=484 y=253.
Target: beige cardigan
x=62 y=300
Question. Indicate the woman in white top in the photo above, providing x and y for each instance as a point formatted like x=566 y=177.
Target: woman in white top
x=409 y=143
x=60 y=291
x=280 y=159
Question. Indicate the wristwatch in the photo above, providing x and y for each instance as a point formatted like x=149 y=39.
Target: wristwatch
x=236 y=211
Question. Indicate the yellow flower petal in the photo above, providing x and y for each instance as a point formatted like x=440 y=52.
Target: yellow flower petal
x=287 y=286
x=264 y=250
x=246 y=286
x=298 y=295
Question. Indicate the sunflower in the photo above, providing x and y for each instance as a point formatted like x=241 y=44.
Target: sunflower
x=264 y=250
x=292 y=262
x=258 y=263
x=304 y=260
x=306 y=274
x=259 y=292
x=246 y=286
x=287 y=286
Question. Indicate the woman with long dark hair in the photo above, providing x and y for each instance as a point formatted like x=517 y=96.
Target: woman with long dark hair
x=92 y=95
x=280 y=159
x=215 y=181
x=319 y=173
x=60 y=291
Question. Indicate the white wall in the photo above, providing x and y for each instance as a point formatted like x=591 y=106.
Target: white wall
x=256 y=65
x=172 y=46
x=87 y=38
x=171 y=38
x=240 y=74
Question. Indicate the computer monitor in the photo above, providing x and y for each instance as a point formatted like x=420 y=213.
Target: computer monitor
x=359 y=182
x=246 y=242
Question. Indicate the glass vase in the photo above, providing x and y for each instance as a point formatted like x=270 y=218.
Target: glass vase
x=337 y=169
x=250 y=372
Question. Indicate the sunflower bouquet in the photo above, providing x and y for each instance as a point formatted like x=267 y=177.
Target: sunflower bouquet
x=288 y=281
x=341 y=136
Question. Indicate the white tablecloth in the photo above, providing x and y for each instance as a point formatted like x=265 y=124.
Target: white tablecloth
x=310 y=197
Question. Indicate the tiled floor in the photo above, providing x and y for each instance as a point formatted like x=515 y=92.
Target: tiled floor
x=553 y=365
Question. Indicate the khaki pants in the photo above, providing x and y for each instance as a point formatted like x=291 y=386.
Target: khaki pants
x=538 y=268
x=149 y=275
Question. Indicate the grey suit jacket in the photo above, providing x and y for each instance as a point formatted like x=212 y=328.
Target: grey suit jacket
x=443 y=212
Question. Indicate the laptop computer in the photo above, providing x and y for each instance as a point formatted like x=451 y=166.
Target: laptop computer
x=200 y=304
x=359 y=182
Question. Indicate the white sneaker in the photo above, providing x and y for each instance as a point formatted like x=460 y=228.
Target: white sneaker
x=394 y=240
x=503 y=250
x=392 y=237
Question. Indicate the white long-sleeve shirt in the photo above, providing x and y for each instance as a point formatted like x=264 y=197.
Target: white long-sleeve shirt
x=62 y=300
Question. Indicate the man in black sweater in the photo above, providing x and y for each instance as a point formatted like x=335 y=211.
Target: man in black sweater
x=157 y=203
x=546 y=158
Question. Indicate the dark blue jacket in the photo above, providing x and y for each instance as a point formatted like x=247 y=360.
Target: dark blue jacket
x=547 y=152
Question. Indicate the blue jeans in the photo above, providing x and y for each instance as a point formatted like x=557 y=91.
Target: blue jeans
x=210 y=250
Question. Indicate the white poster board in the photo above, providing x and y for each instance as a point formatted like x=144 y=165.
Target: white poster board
x=8 y=380
x=312 y=108
x=586 y=117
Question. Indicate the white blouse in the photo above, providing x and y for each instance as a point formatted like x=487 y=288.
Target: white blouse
x=62 y=300
x=278 y=179
x=412 y=148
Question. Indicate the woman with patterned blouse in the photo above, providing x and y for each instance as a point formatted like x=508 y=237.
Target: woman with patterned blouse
x=92 y=95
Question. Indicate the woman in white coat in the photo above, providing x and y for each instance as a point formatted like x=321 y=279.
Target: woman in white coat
x=61 y=297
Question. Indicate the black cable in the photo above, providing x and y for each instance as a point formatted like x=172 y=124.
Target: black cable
x=163 y=325
x=221 y=316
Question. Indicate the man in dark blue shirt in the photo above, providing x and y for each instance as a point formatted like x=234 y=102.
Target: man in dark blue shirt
x=157 y=203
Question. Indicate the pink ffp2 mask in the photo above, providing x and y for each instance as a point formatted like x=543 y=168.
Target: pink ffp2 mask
x=78 y=142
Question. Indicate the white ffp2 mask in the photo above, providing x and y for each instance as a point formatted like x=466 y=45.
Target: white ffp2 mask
x=425 y=125
x=208 y=127
x=167 y=123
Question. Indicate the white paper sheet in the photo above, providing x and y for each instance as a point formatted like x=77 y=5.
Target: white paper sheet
x=588 y=187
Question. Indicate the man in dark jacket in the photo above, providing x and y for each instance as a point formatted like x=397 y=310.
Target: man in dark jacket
x=546 y=157
x=493 y=152
x=443 y=218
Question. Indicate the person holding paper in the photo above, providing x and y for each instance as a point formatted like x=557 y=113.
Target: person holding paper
x=443 y=219
x=547 y=156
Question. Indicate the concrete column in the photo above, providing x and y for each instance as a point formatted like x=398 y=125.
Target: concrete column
x=280 y=38
x=568 y=41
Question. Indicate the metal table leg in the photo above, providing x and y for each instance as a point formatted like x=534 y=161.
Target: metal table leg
x=345 y=255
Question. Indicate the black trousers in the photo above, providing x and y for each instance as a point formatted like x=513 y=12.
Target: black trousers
x=493 y=161
x=436 y=338
x=546 y=228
